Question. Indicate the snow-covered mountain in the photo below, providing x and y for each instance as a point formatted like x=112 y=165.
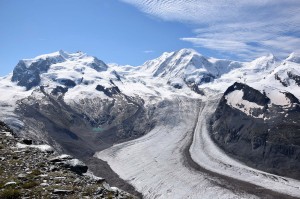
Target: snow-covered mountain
x=81 y=105
x=187 y=66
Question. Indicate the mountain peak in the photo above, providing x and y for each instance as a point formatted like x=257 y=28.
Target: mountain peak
x=174 y=62
x=264 y=62
x=186 y=51
x=63 y=53
x=294 y=57
x=27 y=72
x=268 y=57
x=186 y=66
x=57 y=57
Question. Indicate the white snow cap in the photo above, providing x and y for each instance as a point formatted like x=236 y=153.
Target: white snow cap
x=294 y=57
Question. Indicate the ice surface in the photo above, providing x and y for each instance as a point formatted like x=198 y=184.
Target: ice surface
x=155 y=163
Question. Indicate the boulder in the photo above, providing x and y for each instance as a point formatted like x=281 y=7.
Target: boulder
x=76 y=166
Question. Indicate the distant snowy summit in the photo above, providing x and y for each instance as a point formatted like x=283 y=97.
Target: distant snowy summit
x=28 y=72
x=294 y=57
x=187 y=66
x=183 y=67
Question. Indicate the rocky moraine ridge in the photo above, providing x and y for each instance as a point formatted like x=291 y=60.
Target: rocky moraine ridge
x=28 y=170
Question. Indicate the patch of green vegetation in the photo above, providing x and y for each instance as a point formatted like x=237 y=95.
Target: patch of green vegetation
x=36 y=172
x=10 y=194
x=1 y=184
x=90 y=190
x=42 y=164
x=65 y=187
x=110 y=195
x=39 y=192
x=29 y=185
x=15 y=162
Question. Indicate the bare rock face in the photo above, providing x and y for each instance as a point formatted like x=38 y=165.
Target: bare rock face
x=29 y=75
x=98 y=65
x=108 y=91
x=75 y=165
x=268 y=139
x=83 y=127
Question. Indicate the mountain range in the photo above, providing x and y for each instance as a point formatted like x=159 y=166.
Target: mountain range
x=237 y=123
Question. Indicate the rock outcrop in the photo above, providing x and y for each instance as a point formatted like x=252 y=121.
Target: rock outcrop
x=263 y=135
x=28 y=171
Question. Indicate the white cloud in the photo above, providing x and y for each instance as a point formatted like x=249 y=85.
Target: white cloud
x=246 y=28
x=148 y=51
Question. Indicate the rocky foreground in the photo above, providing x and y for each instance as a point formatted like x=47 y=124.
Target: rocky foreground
x=28 y=170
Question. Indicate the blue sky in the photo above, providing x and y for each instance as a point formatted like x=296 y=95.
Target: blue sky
x=108 y=29
x=133 y=31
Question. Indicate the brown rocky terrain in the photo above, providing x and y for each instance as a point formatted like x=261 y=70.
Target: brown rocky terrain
x=28 y=170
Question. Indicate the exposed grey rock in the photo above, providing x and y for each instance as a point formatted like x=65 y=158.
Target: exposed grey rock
x=250 y=94
x=294 y=77
x=99 y=190
x=62 y=191
x=9 y=184
x=59 y=90
x=77 y=180
x=27 y=141
x=53 y=168
x=68 y=83
x=98 y=65
x=196 y=89
x=76 y=166
x=108 y=91
x=29 y=76
x=44 y=184
x=22 y=175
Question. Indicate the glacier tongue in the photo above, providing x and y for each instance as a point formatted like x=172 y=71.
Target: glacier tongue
x=155 y=164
